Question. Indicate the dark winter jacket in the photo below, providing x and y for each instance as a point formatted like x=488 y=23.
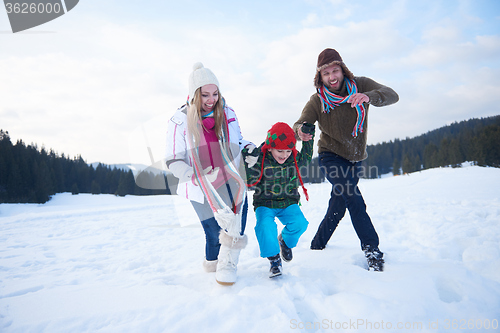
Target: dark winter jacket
x=279 y=183
x=337 y=125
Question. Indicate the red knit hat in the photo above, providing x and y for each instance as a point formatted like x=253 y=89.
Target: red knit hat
x=282 y=137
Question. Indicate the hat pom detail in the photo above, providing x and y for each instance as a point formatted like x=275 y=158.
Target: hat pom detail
x=197 y=66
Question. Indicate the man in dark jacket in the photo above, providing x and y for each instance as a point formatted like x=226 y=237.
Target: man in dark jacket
x=340 y=106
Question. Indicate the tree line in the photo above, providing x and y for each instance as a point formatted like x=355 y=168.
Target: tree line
x=32 y=175
x=474 y=140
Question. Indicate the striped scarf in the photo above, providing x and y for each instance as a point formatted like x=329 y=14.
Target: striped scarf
x=213 y=198
x=331 y=100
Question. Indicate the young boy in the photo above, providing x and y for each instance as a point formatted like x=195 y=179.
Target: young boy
x=274 y=171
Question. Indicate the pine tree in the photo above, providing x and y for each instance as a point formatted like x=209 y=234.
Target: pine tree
x=74 y=189
x=407 y=164
x=95 y=188
x=42 y=183
x=396 y=167
x=430 y=156
x=126 y=185
x=489 y=142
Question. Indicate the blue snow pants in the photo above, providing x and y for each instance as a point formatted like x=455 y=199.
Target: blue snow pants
x=266 y=229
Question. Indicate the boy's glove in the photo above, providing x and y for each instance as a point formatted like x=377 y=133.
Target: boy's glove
x=308 y=128
x=252 y=155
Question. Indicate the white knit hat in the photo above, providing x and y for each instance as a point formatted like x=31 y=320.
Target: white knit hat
x=199 y=77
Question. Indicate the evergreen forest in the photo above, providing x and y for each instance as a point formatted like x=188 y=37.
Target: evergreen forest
x=32 y=175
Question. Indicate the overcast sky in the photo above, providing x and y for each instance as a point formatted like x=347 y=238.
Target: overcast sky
x=102 y=80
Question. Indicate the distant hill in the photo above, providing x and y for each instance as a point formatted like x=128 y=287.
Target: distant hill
x=135 y=167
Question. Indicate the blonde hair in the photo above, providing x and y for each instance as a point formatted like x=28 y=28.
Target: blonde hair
x=194 y=119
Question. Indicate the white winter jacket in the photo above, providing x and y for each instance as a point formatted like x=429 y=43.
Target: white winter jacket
x=178 y=158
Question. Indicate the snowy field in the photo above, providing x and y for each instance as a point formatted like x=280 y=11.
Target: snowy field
x=102 y=263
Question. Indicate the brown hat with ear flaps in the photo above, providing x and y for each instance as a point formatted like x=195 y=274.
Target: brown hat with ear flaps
x=327 y=58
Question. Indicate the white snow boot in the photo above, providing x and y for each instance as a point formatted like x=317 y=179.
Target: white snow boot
x=209 y=265
x=228 y=257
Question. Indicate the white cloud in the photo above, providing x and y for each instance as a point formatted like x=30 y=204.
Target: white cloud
x=312 y=19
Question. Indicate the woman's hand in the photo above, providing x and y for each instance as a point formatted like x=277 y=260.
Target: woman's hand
x=250 y=159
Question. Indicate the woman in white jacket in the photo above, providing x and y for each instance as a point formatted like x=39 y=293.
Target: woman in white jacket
x=204 y=144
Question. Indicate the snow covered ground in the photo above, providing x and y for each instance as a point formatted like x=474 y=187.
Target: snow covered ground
x=109 y=264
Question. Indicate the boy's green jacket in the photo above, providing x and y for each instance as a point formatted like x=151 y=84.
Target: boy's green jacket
x=279 y=183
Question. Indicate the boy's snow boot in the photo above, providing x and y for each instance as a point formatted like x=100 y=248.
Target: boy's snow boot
x=210 y=265
x=374 y=257
x=276 y=266
x=286 y=252
x=228 y=257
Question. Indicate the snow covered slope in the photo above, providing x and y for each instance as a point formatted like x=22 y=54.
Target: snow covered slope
x=109 y=264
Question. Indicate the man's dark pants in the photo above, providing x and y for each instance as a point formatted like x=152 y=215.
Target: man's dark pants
x=344 y=177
